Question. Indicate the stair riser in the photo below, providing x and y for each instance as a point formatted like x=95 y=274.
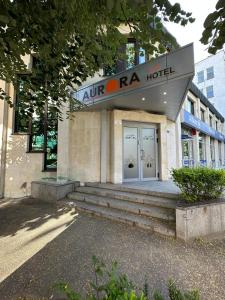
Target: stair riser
x=170 y=216
x=152 y=201
x=123 y=220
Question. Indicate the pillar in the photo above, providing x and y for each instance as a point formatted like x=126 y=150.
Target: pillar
x=104 y=146
x=196 y=148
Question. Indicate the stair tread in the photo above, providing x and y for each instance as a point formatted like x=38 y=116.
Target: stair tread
x=120 y=187
x=129 y=196
x=143 y=209
x=118 y=215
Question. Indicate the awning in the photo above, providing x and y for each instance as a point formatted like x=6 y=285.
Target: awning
x=158 y=86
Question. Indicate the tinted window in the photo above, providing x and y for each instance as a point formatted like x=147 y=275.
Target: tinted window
x=209 y=91
x=200 y=76
x=210 y=73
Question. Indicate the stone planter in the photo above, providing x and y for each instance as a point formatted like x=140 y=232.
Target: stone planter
x=203 y=219
x=51 y=191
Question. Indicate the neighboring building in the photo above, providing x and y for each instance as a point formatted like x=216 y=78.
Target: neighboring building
x=210 y=79
x=137 y=125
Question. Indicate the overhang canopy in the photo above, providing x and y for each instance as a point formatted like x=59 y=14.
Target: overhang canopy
x=158 y=86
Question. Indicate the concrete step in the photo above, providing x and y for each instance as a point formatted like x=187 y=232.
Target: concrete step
x=124 y=188
x=152 y=200
x=133 y=207
x=148 y=223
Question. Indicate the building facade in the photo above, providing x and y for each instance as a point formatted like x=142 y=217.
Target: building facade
x=136 y=125
x=210 y=79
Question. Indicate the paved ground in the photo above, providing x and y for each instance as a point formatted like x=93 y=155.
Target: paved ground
x=68 y=257
x=27 y=228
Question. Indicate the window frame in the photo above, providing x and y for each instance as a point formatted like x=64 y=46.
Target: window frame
x=202 y=114
x=192 y=106
x=210 y=121
x=16 y=100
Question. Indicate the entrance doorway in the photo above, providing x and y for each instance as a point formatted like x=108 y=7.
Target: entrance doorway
x=140 y=153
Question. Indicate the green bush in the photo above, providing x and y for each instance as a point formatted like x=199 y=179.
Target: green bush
x=110 y=285
x=200 y=183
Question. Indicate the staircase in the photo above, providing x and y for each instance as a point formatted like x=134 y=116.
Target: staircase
x=150 y=210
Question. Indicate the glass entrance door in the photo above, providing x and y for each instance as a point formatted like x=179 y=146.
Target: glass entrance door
x=139 y=152
x=148 y=153
x=130 y=153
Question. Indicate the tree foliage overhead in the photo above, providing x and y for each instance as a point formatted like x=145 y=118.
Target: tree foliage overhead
x=74 y=39
x=214 y=32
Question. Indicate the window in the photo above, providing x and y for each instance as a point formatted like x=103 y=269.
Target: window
x=134 y=56
x=21 y=124
x=187 y=148
x=210 y=121
x=216 y=125
x=131 y=54
x=202 y=113
x=42 y=128
x=200 y=76
x=209 y=91
x=210 y=73
x=190 y=106
x=141 y=56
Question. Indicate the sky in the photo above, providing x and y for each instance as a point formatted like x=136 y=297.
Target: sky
x=192 y=32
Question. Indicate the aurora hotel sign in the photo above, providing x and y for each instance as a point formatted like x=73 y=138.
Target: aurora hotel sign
x=172 y=71
x=125 y=81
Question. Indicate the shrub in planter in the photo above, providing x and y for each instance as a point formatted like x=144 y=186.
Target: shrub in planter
x=200 y=183
x=110 y=285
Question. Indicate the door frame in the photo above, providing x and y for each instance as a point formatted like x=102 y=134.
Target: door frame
x=140 y=125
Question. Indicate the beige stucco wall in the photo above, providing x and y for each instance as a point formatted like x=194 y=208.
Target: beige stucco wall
x=171 y=146
x=80 y=140
x=84 y=144
x=21 y=167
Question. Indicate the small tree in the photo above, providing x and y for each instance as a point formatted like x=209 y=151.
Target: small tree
x=74 y=39
x=214 y=32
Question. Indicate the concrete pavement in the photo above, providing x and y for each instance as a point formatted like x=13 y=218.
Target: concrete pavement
x=25 y=228
x=140 y=254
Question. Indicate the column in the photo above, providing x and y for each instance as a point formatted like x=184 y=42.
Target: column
x=208 y=152
x=63 y=155
x=178 y=143
x=216 y=154
x=104 y=145
x=196 y=148
x=3 y=148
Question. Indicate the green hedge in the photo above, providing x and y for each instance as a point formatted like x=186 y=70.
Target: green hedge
x=200 y=183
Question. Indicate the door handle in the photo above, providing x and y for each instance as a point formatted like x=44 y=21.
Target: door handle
x=142 y=154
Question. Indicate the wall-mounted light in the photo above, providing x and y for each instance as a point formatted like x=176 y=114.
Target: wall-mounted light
x=164 y=102
x=164 y=93
x=143 y=98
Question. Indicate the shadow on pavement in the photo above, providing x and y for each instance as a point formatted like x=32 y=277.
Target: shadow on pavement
x=140 y=255
x=28 y=214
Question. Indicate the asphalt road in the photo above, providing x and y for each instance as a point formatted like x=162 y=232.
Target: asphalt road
x=67 y=256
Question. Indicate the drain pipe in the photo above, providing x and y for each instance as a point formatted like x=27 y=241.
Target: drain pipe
x=4 y=143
